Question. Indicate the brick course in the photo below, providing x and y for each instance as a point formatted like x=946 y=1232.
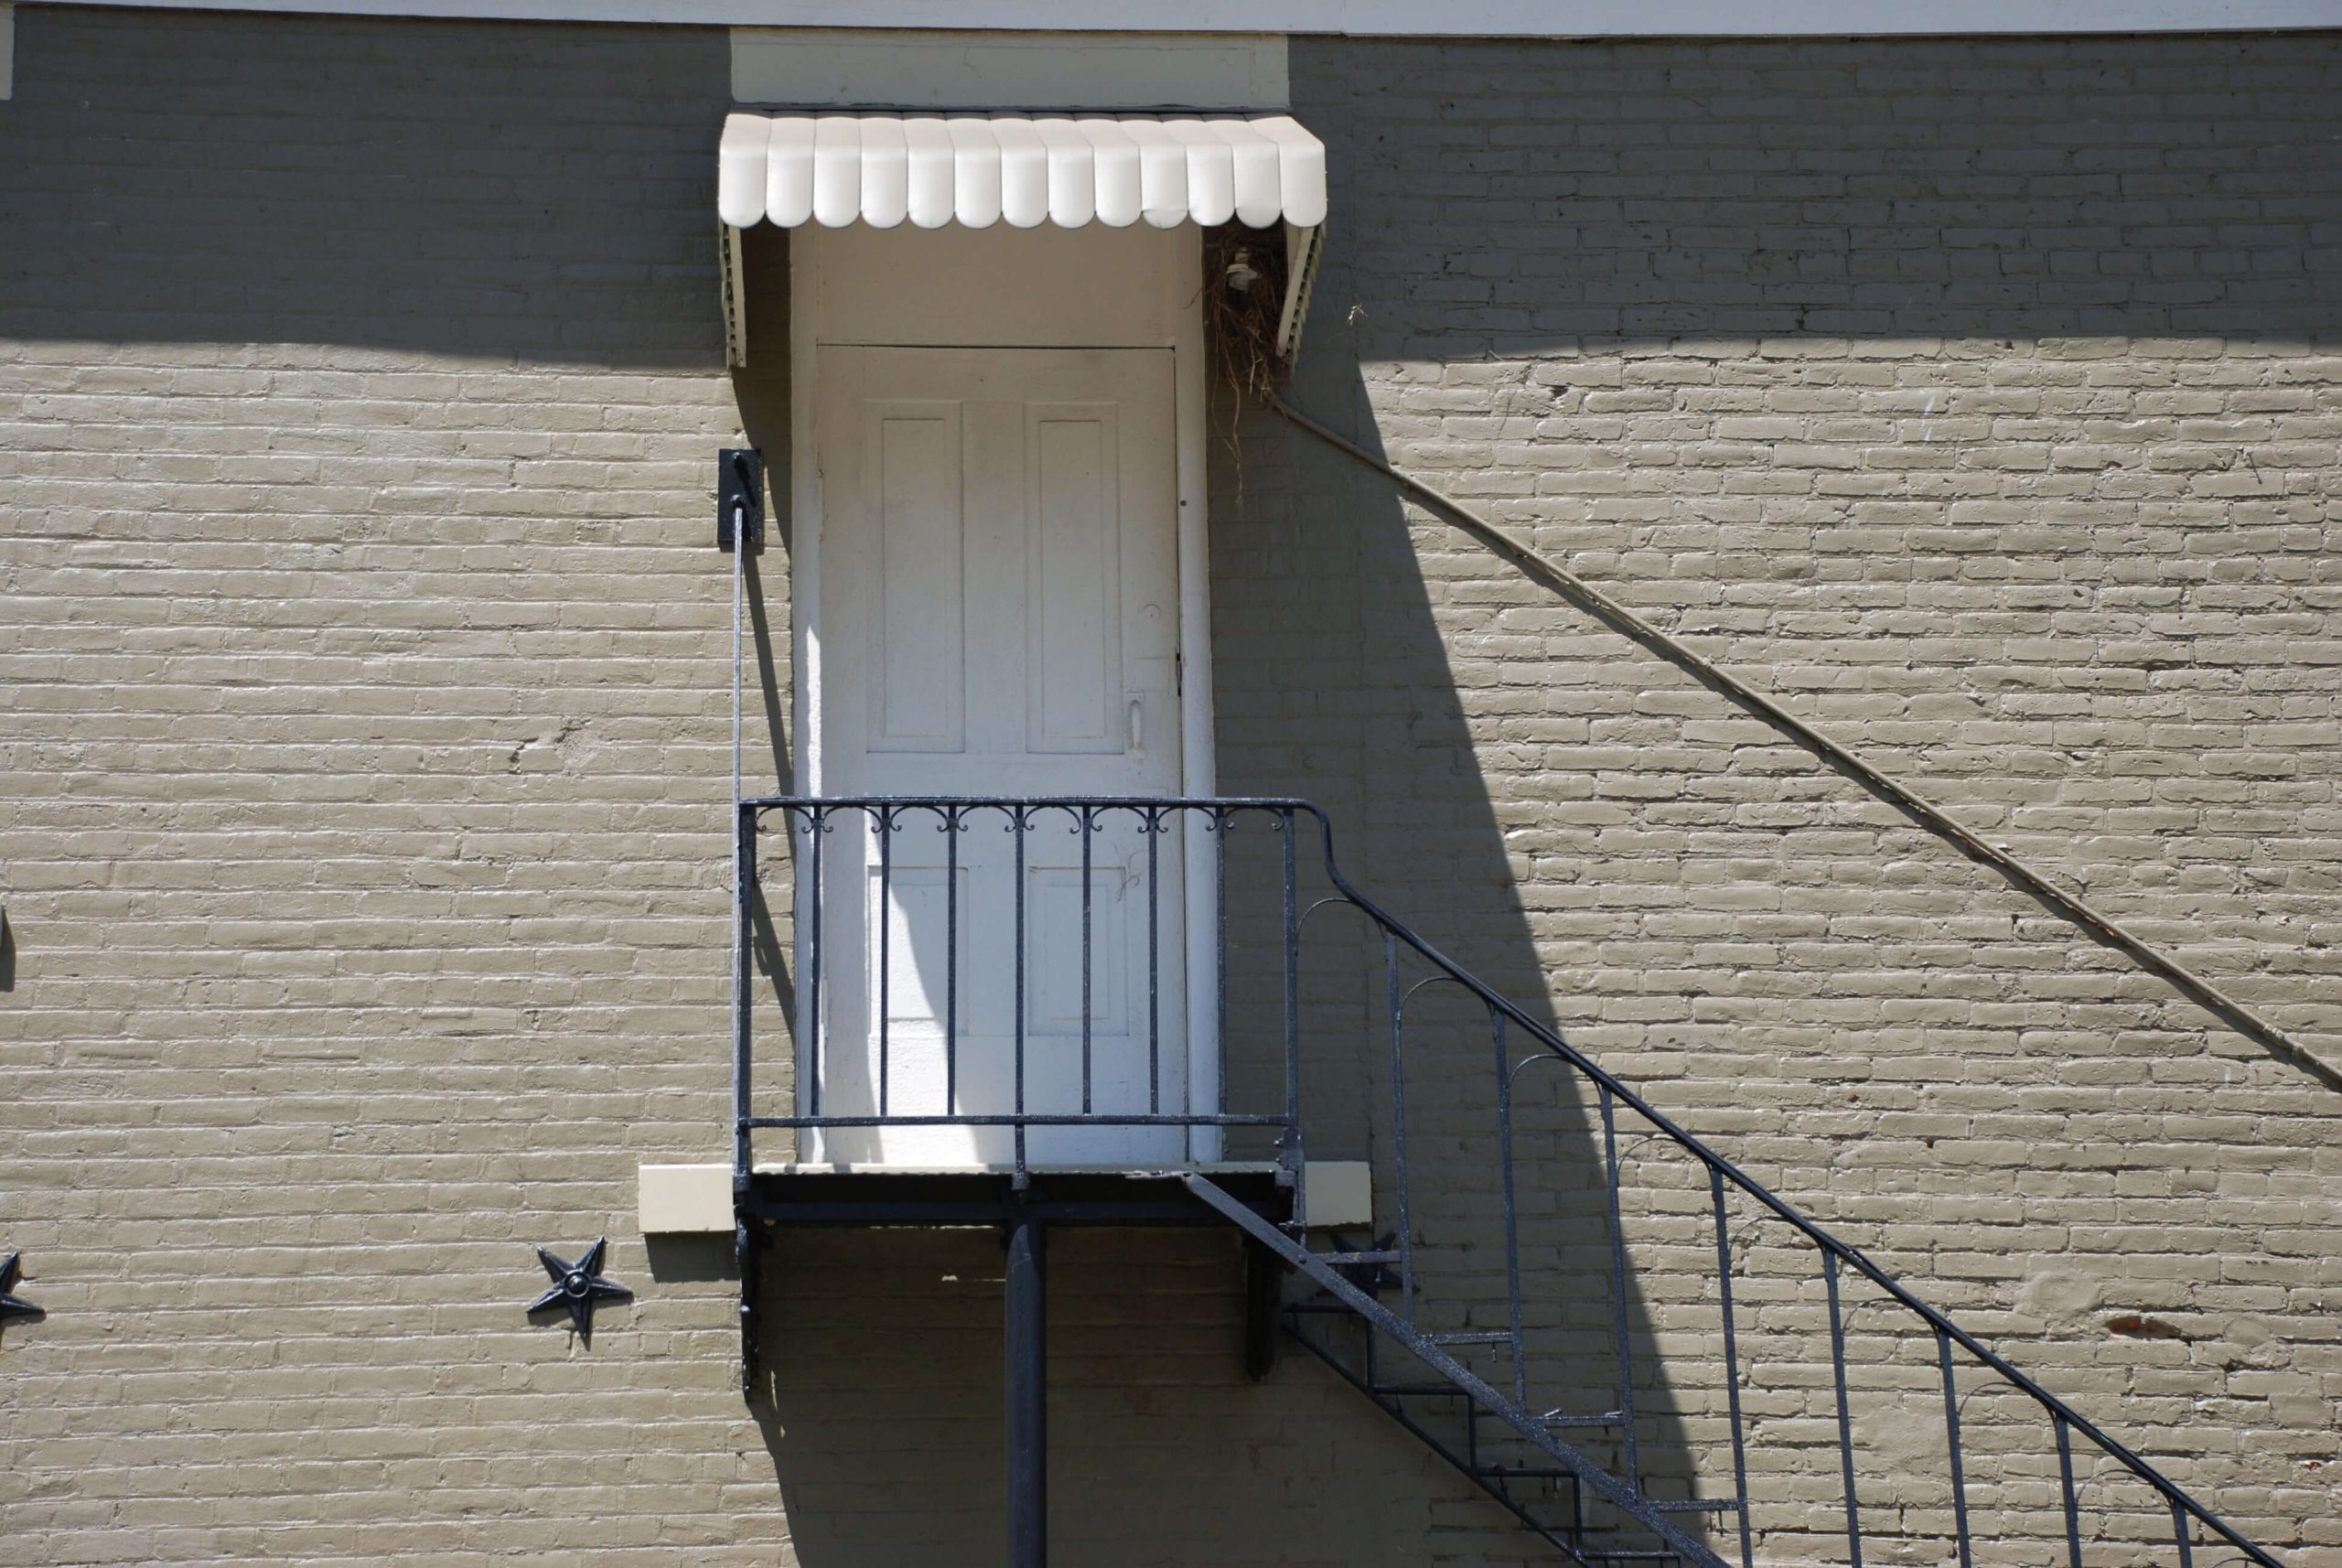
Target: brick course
x=361 y=799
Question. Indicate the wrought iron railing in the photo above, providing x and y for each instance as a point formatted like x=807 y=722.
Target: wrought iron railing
x=1492 y=1357
x=1122 y=871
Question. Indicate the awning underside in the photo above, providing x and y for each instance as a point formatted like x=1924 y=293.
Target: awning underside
x=1024 y=170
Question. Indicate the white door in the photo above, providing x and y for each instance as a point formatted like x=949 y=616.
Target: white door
x=999 y=599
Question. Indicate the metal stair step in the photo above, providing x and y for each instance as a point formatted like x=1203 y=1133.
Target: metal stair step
x=1459 y=1382
x=1472 y=1337
x=1417 y=1391
x=1695 y=1505
x=1517 y=1473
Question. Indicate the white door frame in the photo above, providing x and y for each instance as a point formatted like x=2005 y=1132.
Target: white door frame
x=1181 y=307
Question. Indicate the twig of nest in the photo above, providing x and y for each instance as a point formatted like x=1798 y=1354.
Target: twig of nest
x=1243 y=295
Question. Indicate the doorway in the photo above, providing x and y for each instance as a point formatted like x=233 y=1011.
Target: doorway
x=1003 y=600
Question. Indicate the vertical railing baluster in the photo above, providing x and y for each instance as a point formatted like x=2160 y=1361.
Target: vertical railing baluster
x=744 y=875
x=1399 y=1125
x=816 y=830
x=1512 y=1212
x=1150 y=823
x=1220 y=827
x=1016 y=826
x=1620 y=1326
x=1292 y=1153
x=1732 y=1370
x=1951 y=1435
x=1083 y=822
x=1845 y=1416
x=882 y=819
x=2180 y=1534
x=951 y=961
x=2066 y=1490
x=744 y=883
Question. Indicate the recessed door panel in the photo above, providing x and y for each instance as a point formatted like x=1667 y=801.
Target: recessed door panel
x=912 y=638
x=1073 y=664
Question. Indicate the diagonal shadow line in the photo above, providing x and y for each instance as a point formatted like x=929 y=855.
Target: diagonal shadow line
x=1917 y=808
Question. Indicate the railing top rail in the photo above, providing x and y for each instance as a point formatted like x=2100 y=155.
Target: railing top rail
x=1847 y=1253
x=1166 y=803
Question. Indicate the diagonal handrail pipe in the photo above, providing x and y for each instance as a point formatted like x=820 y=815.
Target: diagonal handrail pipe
x=1851 y=1257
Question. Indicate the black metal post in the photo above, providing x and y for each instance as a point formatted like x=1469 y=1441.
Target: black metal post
x=744 y=1236
x=1025 y=1314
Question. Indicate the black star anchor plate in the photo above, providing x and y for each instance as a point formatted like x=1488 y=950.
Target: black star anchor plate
x=578 y=1286
x=11 y=1305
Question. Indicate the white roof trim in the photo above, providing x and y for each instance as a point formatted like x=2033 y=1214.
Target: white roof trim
x=976 y=170
x=1380 y=18
x=1204 y=73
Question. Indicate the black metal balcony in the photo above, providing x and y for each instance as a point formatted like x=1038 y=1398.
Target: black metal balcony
x=1045 y=949
x=1526 y=1131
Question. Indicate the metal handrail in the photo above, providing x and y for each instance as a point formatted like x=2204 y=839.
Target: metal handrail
x=1722 y=1173
x=1086 y=815
x=1217 y=814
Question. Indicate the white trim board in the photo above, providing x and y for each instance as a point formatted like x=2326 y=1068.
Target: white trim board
x=1008 y=70
x=1377 y=19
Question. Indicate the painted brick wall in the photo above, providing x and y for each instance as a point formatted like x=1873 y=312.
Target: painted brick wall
x=365 y=733
x=363 y=847
x=1983 y=402
x=364 y=766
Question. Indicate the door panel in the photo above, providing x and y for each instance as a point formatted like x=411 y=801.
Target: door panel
x=921 y=585
x=1000 y=592
x=1073 y=665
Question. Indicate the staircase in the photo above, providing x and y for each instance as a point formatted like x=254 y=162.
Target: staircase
x=1811 y=1405
x=1516 y=1455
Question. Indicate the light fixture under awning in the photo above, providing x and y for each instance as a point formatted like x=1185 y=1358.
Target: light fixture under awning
x=1024 y=170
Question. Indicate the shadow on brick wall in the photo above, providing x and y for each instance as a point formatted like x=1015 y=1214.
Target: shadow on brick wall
x=533 y=194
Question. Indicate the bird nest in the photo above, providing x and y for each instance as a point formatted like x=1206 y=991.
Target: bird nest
x=1244 y=283
x=1244 y=296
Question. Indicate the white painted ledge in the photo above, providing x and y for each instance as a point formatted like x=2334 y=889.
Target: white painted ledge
x=1339 y=1193
x=677 y=1200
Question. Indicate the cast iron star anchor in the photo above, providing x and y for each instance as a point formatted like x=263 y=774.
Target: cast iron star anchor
x=11 y=1305
x=579 y=1285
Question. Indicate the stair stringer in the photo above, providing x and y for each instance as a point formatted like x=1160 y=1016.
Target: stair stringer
x=1590 y=1475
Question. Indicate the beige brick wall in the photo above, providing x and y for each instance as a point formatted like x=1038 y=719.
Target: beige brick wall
x=361 y=781
x=363 y=844
x=1980 y=402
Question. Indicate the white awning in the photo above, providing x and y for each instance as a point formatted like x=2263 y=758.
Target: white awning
x=1020 y=169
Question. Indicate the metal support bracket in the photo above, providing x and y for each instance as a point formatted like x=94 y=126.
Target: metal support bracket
x=1024 y=1317
x=739 y=495
x=1263 y=1301
x=577 y=1287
